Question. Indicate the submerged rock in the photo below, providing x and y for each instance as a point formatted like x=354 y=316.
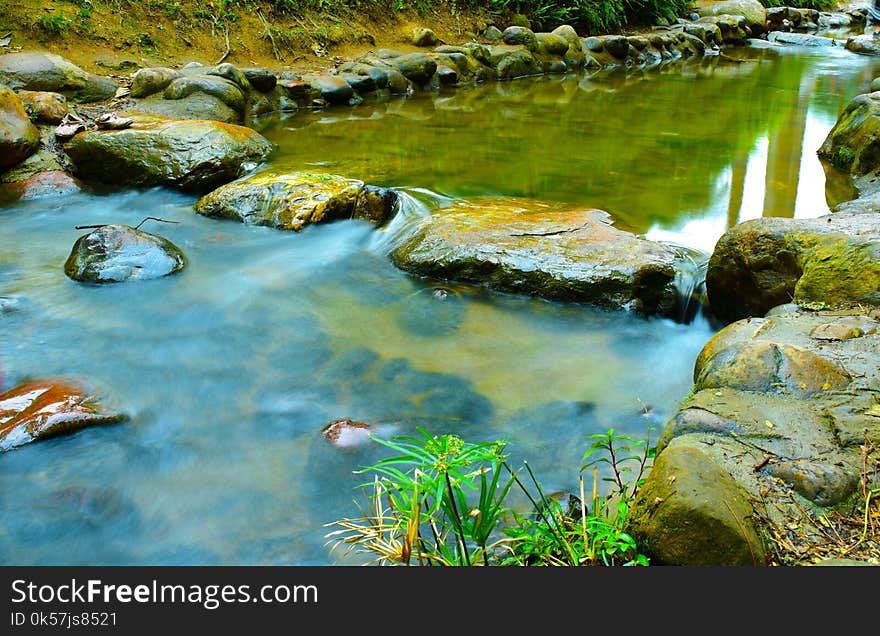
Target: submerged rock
x=40 y=409
x=290 y=201
x=40 y=71
x=19 y=138
x=193 y=155
x=544 y=249
x=117 y=253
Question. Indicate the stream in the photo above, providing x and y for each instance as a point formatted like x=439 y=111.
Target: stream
x=229 y=370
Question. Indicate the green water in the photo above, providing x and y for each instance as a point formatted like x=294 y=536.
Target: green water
x=229 y=370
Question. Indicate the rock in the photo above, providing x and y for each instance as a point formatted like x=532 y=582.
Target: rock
x=40 y=409
x=863 y=45
x=193 y=155
x=196 y=105
x=510 y=64
x=332 y=88
x=546 y=249
x=226 y=91
x=552 y=44
x=691 y=512
x=765 y=262
x=347 y=433
x=493 y=34
x=616 y=45
x=853 y=143
x=520 y=35
x=117 y=253
x=786 y=414
x=801 y=39
x=38 y=71
x=416 y=67
x=149 y=81
x=424 y=37
x=753 y=11
x=49 y=183
x=261 y=79
x=19 y=138
x=44 y=107
x=290 y=201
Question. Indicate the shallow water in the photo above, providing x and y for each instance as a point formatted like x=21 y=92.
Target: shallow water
x=229 y=370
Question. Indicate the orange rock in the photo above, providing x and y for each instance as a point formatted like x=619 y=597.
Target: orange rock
x=45 y=408
x=346 y=433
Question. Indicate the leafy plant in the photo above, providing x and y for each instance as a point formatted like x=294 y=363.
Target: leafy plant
x=442 y=501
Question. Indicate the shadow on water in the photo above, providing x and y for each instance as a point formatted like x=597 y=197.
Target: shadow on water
x=230 y=369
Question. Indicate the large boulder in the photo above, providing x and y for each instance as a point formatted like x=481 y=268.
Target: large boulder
x=293 y=200
x=690 y=511
x=785 y=408
x=853 y=143
x=39 y=409
x=550 y=250
x=193 y=155
x=761 y=263
x=40 y=71
x=19 y=138
x=117 y=253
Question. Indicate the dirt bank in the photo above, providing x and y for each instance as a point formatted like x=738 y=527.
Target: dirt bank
x=106 y=36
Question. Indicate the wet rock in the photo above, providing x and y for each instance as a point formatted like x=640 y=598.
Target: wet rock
x=193 y=155
x=510 y=64
x=416 y=67
x=753 y=11
x=540 y=248
x=49 y=183
x=853 y=143
x=117 y=253
x=44 y=408
x=19 y=138
x=196 y=105
x=39 y=71
x=762 y=263
x=44 y=107
x=332 y=88
x=290 y=201
x=148 y=81
x=521 y=36
x=786 y=414
x=260 y=79
x=863 y=45
x=221 y=88
x=801 y=39
x=347 y=433
x=768 y=366
x=616 y=45
x=692 y=512
x=493 y=34
x=822 y=483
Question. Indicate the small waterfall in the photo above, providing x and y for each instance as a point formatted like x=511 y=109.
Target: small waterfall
x=413 y=204
x=690 y=282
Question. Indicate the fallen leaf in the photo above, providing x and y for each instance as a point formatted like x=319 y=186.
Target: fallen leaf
x=874 y=410
x=768 y=423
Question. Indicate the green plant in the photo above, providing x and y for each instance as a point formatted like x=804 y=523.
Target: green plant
x=441 y=501
x=54 y=24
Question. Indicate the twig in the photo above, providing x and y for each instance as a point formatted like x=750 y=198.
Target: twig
x=269 y=35
x=100 y=225
x=226 y=35
x=742 y=530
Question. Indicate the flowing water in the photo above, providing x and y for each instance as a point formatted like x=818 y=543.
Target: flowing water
x=229 y=370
